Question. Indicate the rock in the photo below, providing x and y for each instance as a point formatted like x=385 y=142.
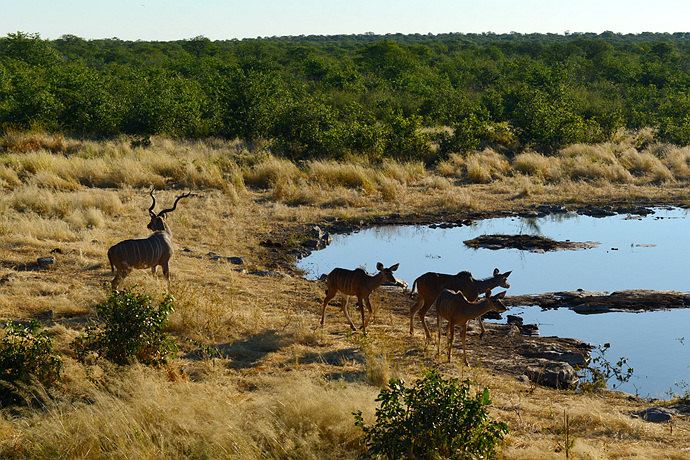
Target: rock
x=534 y=243
x=56 y=251
x=271 y=244
x=236 y=260
x=5 y=279
x=554 y=375
x=516 y=320
x=323 y=277
x=523 y=378
x=532 y=350
x=311 y=244
x=45 y=262
x=316 y=232
x=656 y=415
x=529 y=329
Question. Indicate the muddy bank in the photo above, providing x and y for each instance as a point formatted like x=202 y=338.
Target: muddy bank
x=532 y=243
x=600 y=302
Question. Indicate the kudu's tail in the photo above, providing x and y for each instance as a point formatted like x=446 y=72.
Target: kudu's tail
x=414 y=286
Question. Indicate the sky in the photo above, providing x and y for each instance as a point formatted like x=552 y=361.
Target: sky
x=218 y=20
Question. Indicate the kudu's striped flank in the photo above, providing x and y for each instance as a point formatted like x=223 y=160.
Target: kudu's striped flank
x=358 y=283
x=430 y=285
x=149 y=252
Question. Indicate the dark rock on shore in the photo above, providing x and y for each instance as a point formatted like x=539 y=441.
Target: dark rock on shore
x=553 y=374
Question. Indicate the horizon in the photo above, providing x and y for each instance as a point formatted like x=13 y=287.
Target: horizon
x=217 y=20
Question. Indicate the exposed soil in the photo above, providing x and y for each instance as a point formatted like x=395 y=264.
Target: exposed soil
x=532 y=243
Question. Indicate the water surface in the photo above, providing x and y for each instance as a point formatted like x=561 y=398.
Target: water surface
x=650 y=252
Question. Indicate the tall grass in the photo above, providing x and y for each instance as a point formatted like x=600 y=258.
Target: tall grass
x=144 y=415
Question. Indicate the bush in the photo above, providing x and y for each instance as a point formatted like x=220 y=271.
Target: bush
x=26 y=358
x=131 y=328
x=597 y=374
x=436 y=418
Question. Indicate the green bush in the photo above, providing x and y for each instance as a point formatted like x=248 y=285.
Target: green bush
x=130 y=328
x=26 y=358
x=436 y=418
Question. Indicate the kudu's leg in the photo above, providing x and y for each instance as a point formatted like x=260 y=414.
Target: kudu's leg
x=464 y=345
x=422 y=316
x=329 y=296
x=347 y=314
x=360 y=306
x=451 y=338
x=438 y=328
x=166 y=273
x=481 y=326
x=120 y=274
x=367 y=301
x=414 y=309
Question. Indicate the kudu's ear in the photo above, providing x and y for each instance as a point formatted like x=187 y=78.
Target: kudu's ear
x=496 y=271
x=379 y=266
x=394 y=267
x=501 y=295
x=507 y=274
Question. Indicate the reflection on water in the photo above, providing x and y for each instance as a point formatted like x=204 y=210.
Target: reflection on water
x=651 y=252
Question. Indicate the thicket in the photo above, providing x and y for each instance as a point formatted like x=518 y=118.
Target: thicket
x=362 y=95
x=129 y=328
x=27 y=359
x=434 y=418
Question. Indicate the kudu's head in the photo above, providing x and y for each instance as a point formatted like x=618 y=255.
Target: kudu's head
x=502 y=278
x=157 y=222
x=496 y=301
x=388 y=272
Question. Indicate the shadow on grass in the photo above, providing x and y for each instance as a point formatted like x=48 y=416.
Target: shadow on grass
x=245 y=353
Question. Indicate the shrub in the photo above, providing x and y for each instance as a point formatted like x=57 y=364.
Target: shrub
x=131 y=328
x=436 y=418
x=597 y=374
x=26 y=358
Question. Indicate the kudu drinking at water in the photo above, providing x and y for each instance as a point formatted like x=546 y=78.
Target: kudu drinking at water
x=358 y=283
x=149 y=252
x=430 y=285
x=456 y=309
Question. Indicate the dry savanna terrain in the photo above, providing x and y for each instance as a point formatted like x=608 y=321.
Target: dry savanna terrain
x=256 y=376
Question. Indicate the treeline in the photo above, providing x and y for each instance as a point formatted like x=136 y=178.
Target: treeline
x=354 y=95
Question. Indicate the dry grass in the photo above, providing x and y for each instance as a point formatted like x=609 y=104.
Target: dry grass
x=256 y=376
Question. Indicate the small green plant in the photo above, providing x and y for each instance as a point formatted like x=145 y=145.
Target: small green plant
x=130 y=328
x=597 y=374
x=435 y=418
x=26 y=358
x=568 y=440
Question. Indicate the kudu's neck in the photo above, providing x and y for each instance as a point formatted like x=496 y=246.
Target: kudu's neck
x=374 y=281
x=481 y=286
x=480 y=307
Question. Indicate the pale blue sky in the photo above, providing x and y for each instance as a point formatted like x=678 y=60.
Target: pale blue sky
x=218 y=19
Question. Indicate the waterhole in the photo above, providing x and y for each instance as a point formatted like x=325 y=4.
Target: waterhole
x=634 y=252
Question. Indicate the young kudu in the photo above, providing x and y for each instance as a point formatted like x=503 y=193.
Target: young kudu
x=358 y=283
x=149 y=252
x=456 y=309
x=430 y=285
